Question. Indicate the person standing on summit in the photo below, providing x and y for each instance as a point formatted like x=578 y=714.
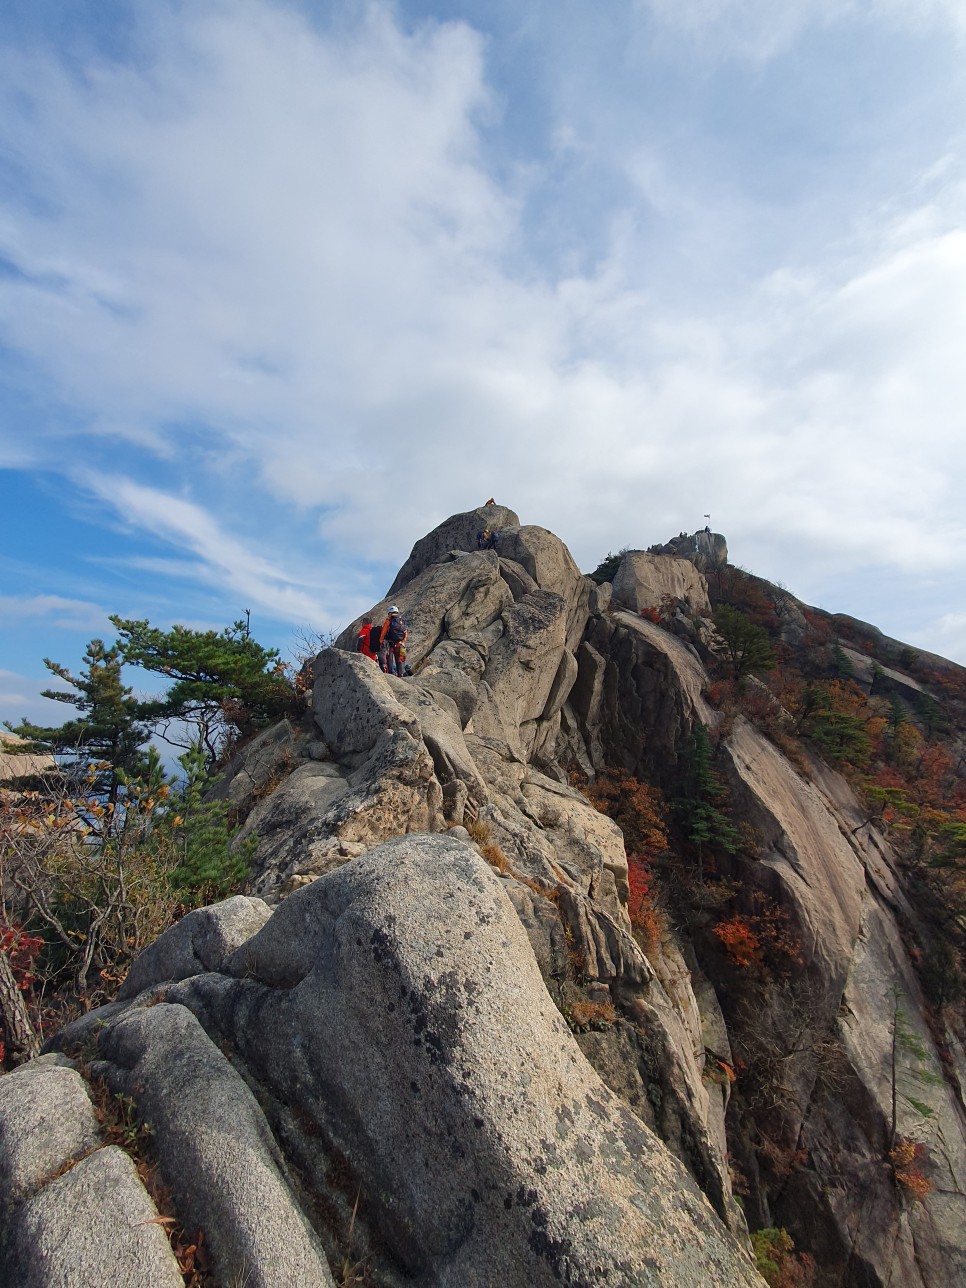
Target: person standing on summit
x=391 y=640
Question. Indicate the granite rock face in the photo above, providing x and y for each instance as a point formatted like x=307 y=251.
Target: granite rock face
x=73 y=1210
x=459 y=532
x=644 y=580
x=394 y=1025
x=213 y=1146
x=203 y=940
x=429 y=1042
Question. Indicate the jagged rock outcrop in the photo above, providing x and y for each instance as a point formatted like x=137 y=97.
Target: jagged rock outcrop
x=705 y=549
x=432 y=1005
x=834 y=874
x=645 y=580
x=459 y=532
x=16 y=763
x=638 y=692
x=878 y=679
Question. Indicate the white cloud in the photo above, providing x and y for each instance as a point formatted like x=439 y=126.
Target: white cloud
x=268 y=246
x=760 y=29
x=223 y=560
x=945 y=636
x=220 y=217
x=70 y=614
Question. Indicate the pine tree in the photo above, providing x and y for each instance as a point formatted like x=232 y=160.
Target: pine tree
x=208 y=867
x=745 y=645
x=840 y=663
x=103 y=744
x=705 y=824
x=224 y=683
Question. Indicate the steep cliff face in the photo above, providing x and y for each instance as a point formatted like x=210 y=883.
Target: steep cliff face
x=432 y=1041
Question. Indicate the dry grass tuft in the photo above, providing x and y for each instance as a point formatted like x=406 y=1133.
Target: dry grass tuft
x=585 y=1014
x=479 y=832
x=545 y=891
x=497 y=859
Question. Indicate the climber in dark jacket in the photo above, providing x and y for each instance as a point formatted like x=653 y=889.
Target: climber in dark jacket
x=391 y=640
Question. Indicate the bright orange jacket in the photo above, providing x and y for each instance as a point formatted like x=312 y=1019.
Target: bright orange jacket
x=364 y=643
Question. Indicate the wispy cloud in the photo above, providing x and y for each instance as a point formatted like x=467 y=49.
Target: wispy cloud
x=70 y=614
x=223 y=559
x=289 y=258
x=760 y=29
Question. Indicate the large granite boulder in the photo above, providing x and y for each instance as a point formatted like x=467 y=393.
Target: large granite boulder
x=201 y=941
x=214 y=1147
x=707 y=550
x=392 y=1019
x=646 y=581
x=460 y=595
x=521 y=672
x=549 y=563
x=73 y=1210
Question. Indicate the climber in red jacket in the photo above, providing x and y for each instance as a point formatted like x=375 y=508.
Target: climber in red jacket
x=365 y=643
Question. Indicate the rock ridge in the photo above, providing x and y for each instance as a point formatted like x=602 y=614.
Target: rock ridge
x=432 y=1002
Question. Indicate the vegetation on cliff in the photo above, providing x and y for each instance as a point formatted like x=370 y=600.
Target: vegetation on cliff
x=103 y=852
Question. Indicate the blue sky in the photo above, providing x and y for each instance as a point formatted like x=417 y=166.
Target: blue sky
x=283 y=284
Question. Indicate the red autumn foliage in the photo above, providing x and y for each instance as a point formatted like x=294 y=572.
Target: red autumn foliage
x=908 y=1157
x=741 y=943
x=642 y=907
x=721 y=694
x=763 y=939
x=22 y=951
x=637 y=808
x=640 y=812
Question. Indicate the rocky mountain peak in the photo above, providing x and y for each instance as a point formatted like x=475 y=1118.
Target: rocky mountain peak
x=448 y=1035
x=707 y=550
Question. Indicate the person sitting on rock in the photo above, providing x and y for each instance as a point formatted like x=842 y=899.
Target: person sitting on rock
x=391 y=639
x=482 y=537
x=491 y=501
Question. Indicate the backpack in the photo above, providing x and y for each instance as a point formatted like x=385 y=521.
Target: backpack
x=374 y=633
x=396 y=630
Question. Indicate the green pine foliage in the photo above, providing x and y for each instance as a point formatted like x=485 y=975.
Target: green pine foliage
x=841 y=666
x=224 y=684
x=106 y=849
x=840 y=735
x=104 y=742
x=699 y=805
x=606 y=570
x=744 y=645
x=208 y=865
